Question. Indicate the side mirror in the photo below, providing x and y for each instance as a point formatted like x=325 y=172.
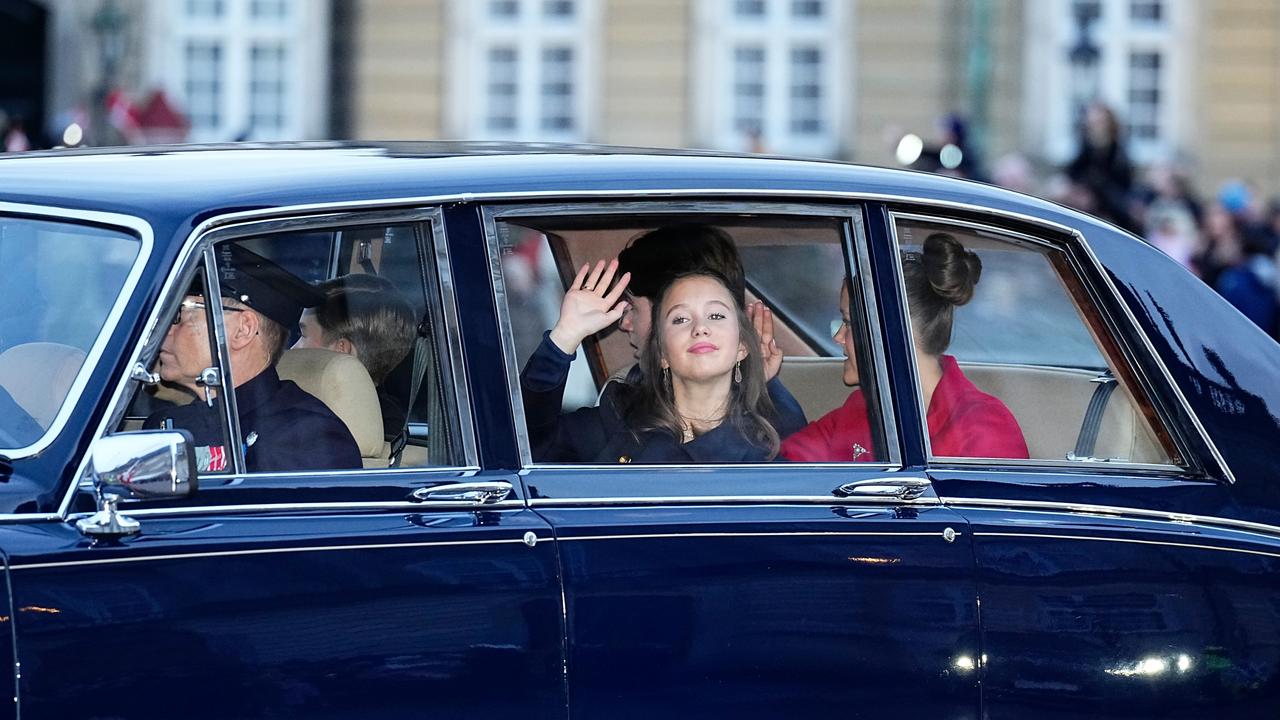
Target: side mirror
x=147 y=464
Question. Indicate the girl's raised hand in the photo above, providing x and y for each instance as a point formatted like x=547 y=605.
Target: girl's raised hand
x=592 y=303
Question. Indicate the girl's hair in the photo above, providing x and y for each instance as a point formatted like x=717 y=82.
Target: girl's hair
x=652 y=404
x=938 y=279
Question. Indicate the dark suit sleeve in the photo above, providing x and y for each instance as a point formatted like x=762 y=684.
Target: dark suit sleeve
x=574 y=437
x=790 y=416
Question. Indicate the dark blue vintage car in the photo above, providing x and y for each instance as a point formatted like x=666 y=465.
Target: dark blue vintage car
x=1128 y=566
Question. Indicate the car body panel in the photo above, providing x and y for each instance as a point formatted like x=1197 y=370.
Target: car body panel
x=331 y=614
x=786 y=610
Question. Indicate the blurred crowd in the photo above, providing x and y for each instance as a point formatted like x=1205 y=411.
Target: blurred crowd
x=1229 y=238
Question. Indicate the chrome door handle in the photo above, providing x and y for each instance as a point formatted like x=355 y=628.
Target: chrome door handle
x=897 y=488
x=475 y=493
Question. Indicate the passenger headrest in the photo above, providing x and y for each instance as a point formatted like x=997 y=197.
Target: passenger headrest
x=39 y=375
x=341 y=382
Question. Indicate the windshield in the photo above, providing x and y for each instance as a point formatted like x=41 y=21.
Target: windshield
x=58 y=287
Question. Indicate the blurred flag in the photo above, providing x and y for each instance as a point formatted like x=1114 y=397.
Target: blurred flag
x=123 y=116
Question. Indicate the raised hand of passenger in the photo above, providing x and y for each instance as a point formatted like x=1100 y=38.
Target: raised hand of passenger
x=770 y=353
x=593 y=303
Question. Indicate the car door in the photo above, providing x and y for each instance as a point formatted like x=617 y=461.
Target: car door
x=816 y=589
x=1113 y=581
x=378 y=592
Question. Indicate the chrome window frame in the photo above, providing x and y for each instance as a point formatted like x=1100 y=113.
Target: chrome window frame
x=135 y=228
x=198 y=249
x=853 y=238
x=1127 y=353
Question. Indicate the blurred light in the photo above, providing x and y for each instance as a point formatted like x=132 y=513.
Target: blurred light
x=38 y=609
x=875 y=560
x=73 y=135
x=909 y=149
x=950 y=156
x=1184 y=663
x=1146 y=667
x=965 y=663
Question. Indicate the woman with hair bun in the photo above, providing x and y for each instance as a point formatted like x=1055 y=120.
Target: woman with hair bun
x=963 y=421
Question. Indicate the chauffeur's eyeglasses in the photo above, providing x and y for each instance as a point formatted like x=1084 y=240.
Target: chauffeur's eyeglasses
x=187 y=306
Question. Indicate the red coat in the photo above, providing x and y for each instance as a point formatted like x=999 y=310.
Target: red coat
x=963 y=422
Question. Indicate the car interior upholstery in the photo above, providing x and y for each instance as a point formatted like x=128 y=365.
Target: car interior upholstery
x=341 y=382
x=60 y=363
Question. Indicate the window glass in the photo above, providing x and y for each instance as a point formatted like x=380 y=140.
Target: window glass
x=1013 y=359
x=530 y=58
x=794 y=265
x=59 y=284
x=345 y=364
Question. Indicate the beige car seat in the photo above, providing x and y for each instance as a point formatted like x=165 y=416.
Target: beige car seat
x=341 y=382
x=39 y=375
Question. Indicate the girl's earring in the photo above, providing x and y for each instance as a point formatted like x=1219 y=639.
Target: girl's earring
x=737 y=372
x=666 y=377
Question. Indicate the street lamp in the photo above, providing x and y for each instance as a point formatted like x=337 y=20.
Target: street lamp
x=1085 y=58
x=109 y=24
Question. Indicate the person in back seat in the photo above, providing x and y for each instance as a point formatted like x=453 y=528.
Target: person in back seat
x=365 y=316
x=963 y=421
x=654 y=259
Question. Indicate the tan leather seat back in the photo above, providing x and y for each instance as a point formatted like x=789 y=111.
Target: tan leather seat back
x=39 y=375
x=815 y=383
x=342 y=383
x=1048 y=403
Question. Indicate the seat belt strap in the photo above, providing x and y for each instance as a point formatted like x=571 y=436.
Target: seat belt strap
x=421 y=359
x=1087 y=441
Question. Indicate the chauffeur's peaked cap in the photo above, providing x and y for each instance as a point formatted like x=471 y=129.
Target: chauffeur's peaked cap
x=278 y=294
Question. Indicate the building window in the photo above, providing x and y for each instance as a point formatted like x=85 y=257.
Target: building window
x=247 y=69
x=748 y=89
x=806 y=91
x=557 y=89
x=269 y=9
x=267 y=69
x=204 y=8
x=503 y=69
x=771 y=69
x=1141 y=71
x=1144 y=96
x=531 y=58
x=204 y=84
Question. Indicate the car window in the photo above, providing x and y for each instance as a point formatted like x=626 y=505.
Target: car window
x=1014 y=361
x=348 y=366
x=795 y=264
x=61 y=283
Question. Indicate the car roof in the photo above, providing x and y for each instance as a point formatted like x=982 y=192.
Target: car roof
x=203 y=180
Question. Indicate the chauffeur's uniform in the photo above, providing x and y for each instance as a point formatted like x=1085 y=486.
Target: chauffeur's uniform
x=601 y=434
x=284 y=428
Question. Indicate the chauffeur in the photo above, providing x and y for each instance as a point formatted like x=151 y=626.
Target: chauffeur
x=283 y=428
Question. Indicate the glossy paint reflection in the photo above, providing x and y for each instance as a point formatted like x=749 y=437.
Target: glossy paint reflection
x=1109 y=622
